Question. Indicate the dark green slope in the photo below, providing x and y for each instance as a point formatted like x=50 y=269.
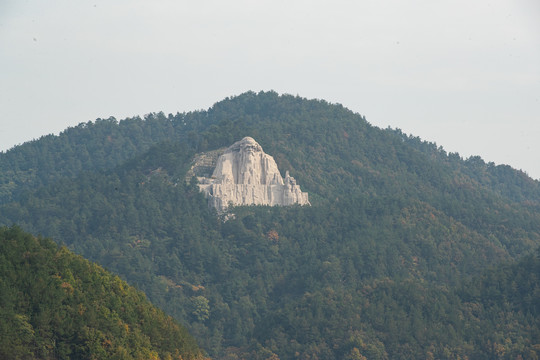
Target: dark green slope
x=370 y=269
x=502 y=309
x=504 y=180
x=56 y=305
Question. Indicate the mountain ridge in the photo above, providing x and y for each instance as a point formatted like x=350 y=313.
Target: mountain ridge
x=112 y=142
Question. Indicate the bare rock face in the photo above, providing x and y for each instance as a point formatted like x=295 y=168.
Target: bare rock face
x=245 y=175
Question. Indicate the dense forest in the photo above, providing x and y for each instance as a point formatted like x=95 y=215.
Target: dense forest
x=56 y=305
x=406 y=252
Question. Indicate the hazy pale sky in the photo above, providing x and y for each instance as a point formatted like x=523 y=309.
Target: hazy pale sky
x=463 y=74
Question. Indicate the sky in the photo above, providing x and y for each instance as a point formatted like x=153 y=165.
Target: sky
x=462 y=74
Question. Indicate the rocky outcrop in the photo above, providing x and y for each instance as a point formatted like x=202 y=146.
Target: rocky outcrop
x=204 y=164
x=245 y=175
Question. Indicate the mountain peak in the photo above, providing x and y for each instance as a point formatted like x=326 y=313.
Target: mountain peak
x=246 y=175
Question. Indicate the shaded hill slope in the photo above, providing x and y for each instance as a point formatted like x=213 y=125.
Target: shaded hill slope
x=56 y=305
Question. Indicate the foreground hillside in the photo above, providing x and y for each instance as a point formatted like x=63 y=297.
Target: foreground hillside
x=56 y=305
x=382 y=265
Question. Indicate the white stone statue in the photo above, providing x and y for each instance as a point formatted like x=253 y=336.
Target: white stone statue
x=245 y=175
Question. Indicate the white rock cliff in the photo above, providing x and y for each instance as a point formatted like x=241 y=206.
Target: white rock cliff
x=245 y=175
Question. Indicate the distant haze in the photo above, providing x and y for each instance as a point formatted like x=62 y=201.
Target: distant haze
x=463 y=74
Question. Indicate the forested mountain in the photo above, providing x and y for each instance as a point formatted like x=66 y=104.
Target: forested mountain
x=104 y=144
x=56 y=305
x=406 y=252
